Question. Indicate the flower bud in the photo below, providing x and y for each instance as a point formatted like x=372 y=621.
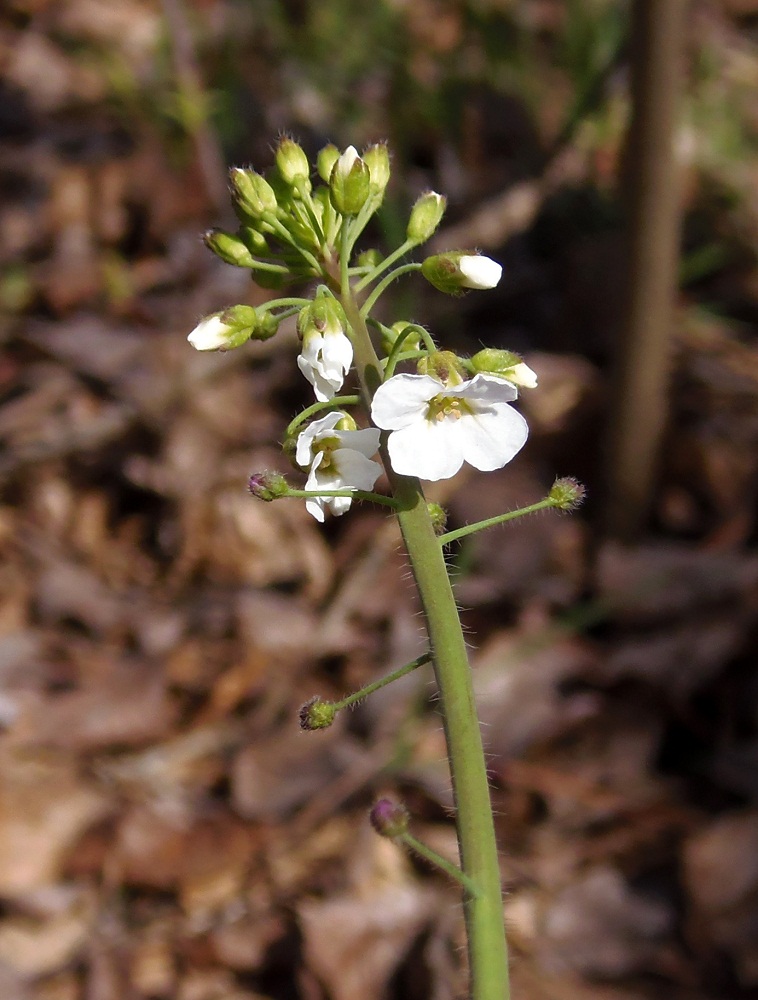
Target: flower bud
x=255 y=242
x=505 y=364
x=425 y=216
x=225 y=330
x=349 y=183
x=292 y=162
x=377 y=159
x=438 y=515
x=456 y=271
x=317 y=714
x=325 y=161
x=268 y=486
x=443 y=365
x=567 y=493
x=389 y=336
x=321 y=316
x=389 y=819
x=252 y=195
x=369 y=258
x=230 y=248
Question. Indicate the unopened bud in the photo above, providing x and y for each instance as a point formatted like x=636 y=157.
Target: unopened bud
x=370 y=258
x=505 y=364
x=252 y=195
x=325 y=161
x=389 y=818
x=255 y=241
x=390 y=334
x=317 y=714
x=225 y=330
x=268 y=486
x=443 y=365
x=426 y=216
x=292 y=162
x=438 y=515
x=567 y=493
x=377 y=160
x=349 y=183
x=457 y=271
x=230 y=248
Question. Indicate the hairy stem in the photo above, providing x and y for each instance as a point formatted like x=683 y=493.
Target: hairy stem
x=488 y=959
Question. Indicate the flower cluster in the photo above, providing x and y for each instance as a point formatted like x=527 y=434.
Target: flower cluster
x=450 y=410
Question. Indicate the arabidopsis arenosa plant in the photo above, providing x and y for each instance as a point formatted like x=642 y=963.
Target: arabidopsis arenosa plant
x=435 y=428
x=336 y=460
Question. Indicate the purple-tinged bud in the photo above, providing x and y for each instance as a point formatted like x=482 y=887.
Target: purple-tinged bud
x=317 y=714
x=268 y=485
x=425 y=217
x=567 y=493
x=389 y=818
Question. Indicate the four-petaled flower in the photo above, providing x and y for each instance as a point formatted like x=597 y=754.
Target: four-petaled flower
x=336 y=460
x=435 y=427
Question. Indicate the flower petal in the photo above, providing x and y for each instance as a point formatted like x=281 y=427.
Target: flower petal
x=492 y=438
x=426 y=449
x=402 y=399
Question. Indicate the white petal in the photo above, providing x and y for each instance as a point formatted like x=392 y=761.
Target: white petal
x=483 y=390
x=402 y=399
x=491 y=439
x=324 y=389
x=522 y=374
x=479 y=272
x=210 y=334
x=347 y=159
x=364 y=441
x=425 y=449
x=355 y=471
x=308 y=437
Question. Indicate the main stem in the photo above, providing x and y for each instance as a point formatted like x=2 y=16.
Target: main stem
x=485 y=928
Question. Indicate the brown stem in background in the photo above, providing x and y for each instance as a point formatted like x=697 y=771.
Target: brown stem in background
x=639 y=399
x=191 y=90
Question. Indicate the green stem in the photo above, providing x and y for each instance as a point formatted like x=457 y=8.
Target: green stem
x=387 y=262
x=384 y=285
x=355 y=494
x=329 y=404
x=356 y=696
x=419 y=847
x=488 y=958
x=490 y=522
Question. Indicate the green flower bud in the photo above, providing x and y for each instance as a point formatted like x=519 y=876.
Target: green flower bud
x=292 y=162
x=252 y=195
x=255 y=241
x=317 y=714
x=426 y=216
x=230 y=248
x=349 y=183
x=438 y=515
x=225 y=330
x=325 y=161
x=377 y=159
x=369 y=258
x=268 y=486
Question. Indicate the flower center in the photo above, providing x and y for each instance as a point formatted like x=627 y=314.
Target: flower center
x=326 y=447
x=443 y=407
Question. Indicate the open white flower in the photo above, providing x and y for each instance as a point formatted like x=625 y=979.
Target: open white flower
x=435 y=428
x=325 y=357
x=337 y=460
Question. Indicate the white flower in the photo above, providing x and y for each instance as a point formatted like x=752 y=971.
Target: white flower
x=325 y=359
x=436 y=428
x=210 y=334
x=479 y=272
x=337 y=460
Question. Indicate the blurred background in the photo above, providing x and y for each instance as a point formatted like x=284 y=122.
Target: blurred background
x=165 y=829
